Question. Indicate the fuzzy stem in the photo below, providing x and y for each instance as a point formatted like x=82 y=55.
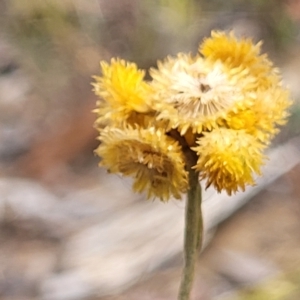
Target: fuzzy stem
x=192 y=235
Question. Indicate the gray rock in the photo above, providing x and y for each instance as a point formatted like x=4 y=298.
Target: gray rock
x=28 y=203
x=20 y=108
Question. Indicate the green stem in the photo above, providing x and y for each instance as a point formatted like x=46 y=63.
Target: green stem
x=192 y=235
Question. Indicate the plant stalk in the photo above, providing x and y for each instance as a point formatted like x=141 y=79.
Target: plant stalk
x=192 y=235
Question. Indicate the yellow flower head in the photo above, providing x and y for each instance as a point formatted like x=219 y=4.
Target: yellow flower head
x=225 y=104
x=268 y=111
x=154 y=160
x=123 y=93
x=240 y=53
x=228 y=158
x=193 y=93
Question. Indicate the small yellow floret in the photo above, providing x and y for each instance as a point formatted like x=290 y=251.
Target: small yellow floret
x=154 y=160
x=240 y=53
x=123 y=93
x=269 y=110
x=193 y=93
x=228 y=158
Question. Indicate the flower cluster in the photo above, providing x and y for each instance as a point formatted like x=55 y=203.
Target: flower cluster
x=223 y=104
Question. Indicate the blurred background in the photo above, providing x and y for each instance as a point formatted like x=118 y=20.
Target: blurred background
x=70 y=231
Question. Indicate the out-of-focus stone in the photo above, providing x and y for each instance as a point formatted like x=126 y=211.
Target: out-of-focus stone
x=28 y=204
x=24 y=263
x=242 y=269
x=67 y=286
x=20 y=109
x=116 y=252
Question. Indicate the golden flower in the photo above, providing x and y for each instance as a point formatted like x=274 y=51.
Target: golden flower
x=154 y=160
x=240 y=53
x=225 y=105
x=268 y=111
x=228 y=158
x=194 y=93
x=123 y=93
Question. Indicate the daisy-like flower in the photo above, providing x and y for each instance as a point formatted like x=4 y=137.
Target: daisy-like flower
x=154 y=160
x=229 y=98
x=193 y=93
x=124 y=93
x=240 y=53
x=228 y=158
x=268 y=111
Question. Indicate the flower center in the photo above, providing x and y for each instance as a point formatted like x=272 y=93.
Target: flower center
x=204 y=88
x=202 y=92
